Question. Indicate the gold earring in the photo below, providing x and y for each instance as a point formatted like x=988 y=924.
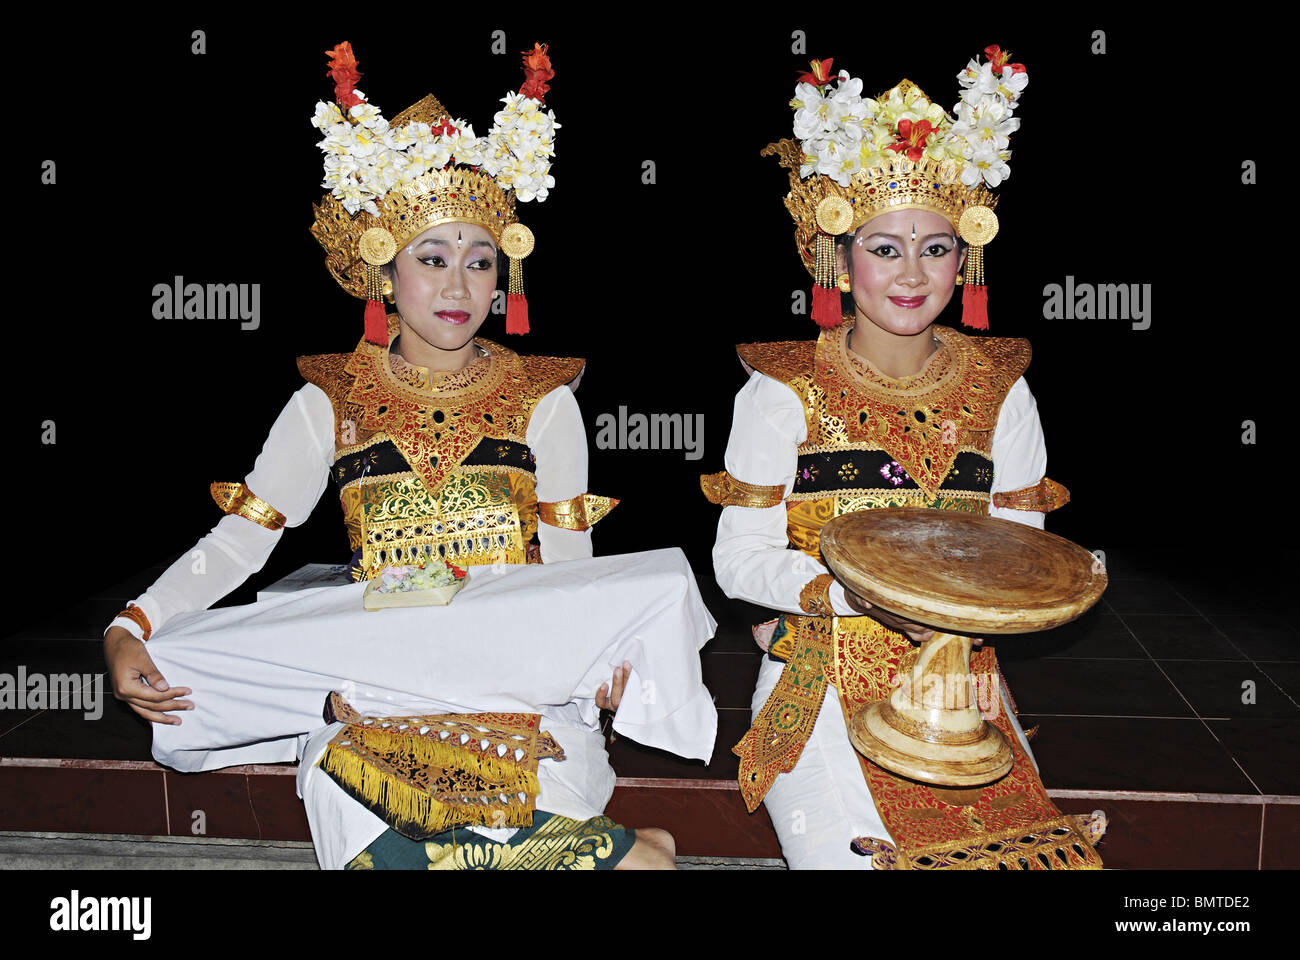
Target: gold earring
x=842 y=281
x=957 y=280
x=387 y=290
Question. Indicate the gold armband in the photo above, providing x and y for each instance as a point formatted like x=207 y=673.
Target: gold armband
x=576 y=513
x=135 y=614
x=725 y=490
x=1044 y=496
x=815 y=597
x=238 y=499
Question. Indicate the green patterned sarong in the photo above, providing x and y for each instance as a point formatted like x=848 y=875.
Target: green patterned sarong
x=551 y=843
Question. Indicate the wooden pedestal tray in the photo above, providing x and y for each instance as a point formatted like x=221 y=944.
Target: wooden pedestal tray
x=966 y=576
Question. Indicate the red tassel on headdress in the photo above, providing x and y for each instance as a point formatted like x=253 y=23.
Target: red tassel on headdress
x=975 y=306
x=826 y=300
x=826 y=306
x=376 y=323
x=516 y=313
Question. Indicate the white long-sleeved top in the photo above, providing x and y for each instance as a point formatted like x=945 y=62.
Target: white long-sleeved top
x=292 y=472
x=750 y=556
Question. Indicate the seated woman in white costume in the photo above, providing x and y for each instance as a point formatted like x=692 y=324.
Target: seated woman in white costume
x=444 y=447
x=891 y=199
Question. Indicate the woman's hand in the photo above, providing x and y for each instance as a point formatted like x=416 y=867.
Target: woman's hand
x=136 y=680
x=608 y=695
x=917 y=633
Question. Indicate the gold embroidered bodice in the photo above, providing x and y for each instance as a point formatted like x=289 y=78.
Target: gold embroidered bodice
x=431 y=463
x=874 y=441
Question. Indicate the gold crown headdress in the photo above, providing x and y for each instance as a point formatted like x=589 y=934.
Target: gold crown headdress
x=855 y=158
x=391 y=181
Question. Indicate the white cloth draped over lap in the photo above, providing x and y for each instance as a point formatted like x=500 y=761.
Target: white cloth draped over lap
x=517 y=638
x=533 y=638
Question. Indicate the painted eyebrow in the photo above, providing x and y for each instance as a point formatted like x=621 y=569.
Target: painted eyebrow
x=891 y=236
x=474 y=243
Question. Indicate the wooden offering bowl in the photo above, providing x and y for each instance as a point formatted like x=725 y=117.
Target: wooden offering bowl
x=963 y=575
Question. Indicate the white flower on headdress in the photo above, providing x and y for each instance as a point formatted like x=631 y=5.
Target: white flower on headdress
x=400 y=138
x=518 y=148
x=1007 y=85
x=831 y=125
x=987 y=123
x=327 y=116
x=1012 y=84
x=968 y=77
x=985 y=162
x=981 y=83
x=367 y=115
x=837 y=157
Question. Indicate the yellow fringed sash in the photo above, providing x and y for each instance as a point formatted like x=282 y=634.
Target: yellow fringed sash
x=424 y=775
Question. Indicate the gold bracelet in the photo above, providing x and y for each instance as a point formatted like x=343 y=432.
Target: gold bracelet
x=725 y=490
x=815 y=597
x=1044 y=496
x=136 y=615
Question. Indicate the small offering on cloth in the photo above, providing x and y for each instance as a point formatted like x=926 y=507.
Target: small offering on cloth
x=431 y=582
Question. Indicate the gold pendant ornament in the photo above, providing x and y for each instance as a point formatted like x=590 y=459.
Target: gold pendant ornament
x=516 y=243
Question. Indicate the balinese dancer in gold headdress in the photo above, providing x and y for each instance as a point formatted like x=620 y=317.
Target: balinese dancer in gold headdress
x=891 y=200
x=448 y=450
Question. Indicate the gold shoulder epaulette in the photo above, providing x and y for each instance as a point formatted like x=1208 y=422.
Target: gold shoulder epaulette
x=238 y=499
x=1044 y=496
x=783 y=360
x=576 y=513
x=1010 y=354
x=323 y=369
x=544 y=374
x=725 y=490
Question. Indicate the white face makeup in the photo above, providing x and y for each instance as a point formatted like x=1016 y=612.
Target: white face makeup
x=444 y=286
x=902 y=269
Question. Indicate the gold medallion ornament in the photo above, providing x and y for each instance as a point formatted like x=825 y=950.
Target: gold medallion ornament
x=377 y=246
x=978 y=225
x=834 y=215
x=517 y=241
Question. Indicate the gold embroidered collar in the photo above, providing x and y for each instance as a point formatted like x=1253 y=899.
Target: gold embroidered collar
x=919 y=420
x=435 y=427
x=438 y=381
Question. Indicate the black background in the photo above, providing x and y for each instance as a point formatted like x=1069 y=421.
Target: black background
x=1127 y=169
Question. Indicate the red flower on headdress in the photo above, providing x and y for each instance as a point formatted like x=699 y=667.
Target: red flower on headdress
x=343 y=68
x=444 y=128
x=999 y=57
x=537 y=70
x=911 y=138
x=820 y=75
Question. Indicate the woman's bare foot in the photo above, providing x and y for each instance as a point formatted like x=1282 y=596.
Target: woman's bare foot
x=654 y=849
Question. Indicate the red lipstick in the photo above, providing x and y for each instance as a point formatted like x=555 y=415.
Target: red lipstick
x=453 y=316
x=910 y=303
